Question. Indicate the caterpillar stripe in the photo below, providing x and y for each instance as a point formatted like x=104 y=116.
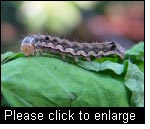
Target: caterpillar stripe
x=39 y=43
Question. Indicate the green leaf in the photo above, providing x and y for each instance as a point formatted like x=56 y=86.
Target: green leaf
x=136 y=50
x=4 y=103
x=136 y=55
x=45 y=81
x=107 y=65
x=48 y=81
x=134 y=80
x=10 y=56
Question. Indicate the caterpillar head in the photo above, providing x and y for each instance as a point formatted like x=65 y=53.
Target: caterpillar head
x=28 y=45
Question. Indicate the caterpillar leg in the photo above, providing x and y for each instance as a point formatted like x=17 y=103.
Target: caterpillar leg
x=88 y=58
x=63 y=56
x=75 y=58
x=98 y=57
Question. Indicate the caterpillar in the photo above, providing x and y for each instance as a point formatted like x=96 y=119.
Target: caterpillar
x=33 y=44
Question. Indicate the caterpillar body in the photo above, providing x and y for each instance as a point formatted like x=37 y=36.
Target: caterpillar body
x=33 y=44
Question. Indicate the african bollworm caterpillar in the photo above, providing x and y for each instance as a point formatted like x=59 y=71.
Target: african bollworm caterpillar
x=40 y=43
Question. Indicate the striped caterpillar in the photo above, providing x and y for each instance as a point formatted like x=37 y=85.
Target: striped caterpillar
x=44 y=43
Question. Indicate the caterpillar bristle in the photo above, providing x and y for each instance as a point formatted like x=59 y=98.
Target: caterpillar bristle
x=64 y=47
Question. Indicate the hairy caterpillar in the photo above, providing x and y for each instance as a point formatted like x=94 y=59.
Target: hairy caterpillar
x=40 y=43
